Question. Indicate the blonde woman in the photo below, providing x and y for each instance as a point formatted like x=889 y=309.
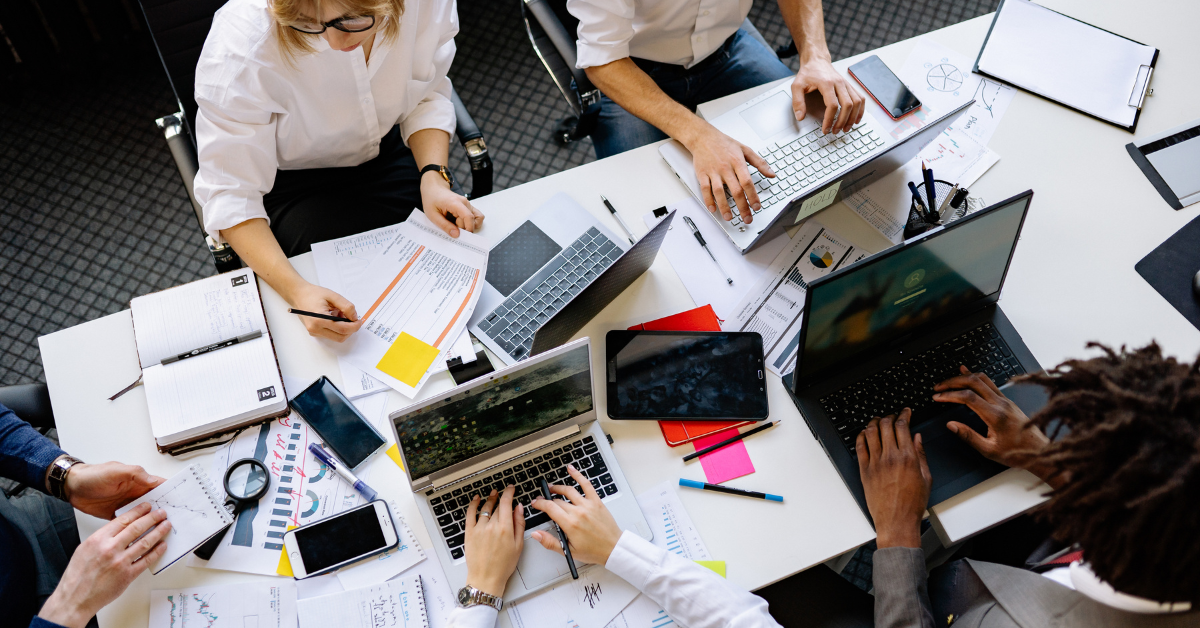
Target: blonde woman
x=320 y=119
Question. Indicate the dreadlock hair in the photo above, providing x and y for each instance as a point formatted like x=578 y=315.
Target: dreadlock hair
x=1127 y=425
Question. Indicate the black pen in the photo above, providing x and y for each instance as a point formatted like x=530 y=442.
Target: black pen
x=562 y=537
x=327 y=317
x=209 y=348
x=727 y=441
x=613 y=211
x=705 y=486
x=930 y=188
x=920 y=203
x=704 y=245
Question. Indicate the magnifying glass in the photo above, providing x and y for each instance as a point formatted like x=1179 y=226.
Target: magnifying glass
x=246 y=481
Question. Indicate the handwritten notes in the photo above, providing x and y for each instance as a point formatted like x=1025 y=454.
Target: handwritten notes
x=397 y=603
x=592 y=601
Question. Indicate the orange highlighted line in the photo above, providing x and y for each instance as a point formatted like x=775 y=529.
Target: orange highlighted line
x=394 y=282
x=462 y=307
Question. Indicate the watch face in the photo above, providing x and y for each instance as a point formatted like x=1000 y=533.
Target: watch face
x=464 y=596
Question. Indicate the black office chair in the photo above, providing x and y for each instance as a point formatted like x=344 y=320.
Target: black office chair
x=179 y=28
x=551 y=29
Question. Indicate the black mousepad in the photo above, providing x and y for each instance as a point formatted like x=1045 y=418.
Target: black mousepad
x=1170 y=267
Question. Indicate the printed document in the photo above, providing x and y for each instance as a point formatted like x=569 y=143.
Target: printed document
x=340 y=264
x=942 y=79
x=592 y=601
x=195 y=508
x=415 y=298
x=242 y=605
x=399 y=603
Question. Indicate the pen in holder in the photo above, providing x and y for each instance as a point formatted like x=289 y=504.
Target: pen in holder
x=917 y=224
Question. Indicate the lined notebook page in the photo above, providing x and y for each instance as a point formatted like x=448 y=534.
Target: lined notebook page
x=399 y=603
x=195 y=508
x=198 y=395
x=197 y=314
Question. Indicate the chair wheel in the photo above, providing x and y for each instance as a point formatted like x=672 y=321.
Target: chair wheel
x=564 y=131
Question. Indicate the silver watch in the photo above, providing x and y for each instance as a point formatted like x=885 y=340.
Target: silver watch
x=469 y=596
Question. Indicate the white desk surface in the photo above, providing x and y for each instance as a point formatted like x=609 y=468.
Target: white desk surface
x=1072 y=280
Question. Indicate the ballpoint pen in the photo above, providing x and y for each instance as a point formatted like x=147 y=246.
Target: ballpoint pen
x=340 y=469
x=613 y=210
x=327 y=317
x=704 y=245
x=213 y=347
x=930 y=188
x=941 y=211
x=562 y=536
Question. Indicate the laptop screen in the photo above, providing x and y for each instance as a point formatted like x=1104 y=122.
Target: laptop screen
x=881 y=299
x=496 y=412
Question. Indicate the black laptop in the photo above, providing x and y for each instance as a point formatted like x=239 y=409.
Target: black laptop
x=878 y=335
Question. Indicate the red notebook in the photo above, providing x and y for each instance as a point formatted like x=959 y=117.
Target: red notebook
x=702 y=318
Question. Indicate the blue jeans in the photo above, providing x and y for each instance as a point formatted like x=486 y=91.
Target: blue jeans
x=740 y=63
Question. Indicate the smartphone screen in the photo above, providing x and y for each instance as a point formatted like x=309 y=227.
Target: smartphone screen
x=884 y=88
x=340 y=538
x=338 y=422
x=686 y=375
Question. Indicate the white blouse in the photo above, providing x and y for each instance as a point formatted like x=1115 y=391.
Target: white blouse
x=681 y=32
x=258 y=113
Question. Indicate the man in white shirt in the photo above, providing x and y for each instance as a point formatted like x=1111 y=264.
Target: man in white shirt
x=656 y=60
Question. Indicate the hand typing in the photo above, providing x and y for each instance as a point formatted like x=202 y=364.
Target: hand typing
x=589 y=526
x=494 y=541
x=896 y=479
x=720 y=163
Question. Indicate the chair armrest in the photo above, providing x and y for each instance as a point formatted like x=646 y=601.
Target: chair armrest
x=30 y=402
x=471 y=138
x=562 y=39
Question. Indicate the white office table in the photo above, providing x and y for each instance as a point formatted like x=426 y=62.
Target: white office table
x=1072 y=280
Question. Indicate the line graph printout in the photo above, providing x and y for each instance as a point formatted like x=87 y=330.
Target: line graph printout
x=340 y=264
x=415 y=299
x=592 y=601
x=774 y=305
x=243 y=605
x=194 y=506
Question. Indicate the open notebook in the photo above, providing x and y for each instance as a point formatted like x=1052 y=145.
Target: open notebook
x=195 y=508
x=199 y=397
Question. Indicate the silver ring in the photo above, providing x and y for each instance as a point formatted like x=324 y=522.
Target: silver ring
x=485 y=513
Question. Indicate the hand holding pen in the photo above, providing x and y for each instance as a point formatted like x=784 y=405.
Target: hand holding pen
x=588 y=525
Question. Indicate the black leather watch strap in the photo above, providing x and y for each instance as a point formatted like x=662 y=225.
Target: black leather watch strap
x=442 y=170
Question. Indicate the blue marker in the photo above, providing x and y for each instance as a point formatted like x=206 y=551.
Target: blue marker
x=705 y=486
x=336 y=465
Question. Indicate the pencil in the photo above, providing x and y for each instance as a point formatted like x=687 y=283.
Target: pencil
x=327 y=317
x=701 y=452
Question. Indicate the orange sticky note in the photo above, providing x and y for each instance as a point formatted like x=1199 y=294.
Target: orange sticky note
x=407 y=359
x=285 y=564
x=393 y=452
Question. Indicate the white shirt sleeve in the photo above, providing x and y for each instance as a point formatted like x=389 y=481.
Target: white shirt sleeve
x=692 y=595
x=434 y=108
x=237 y=160
x=605 y=30
x=482 y=616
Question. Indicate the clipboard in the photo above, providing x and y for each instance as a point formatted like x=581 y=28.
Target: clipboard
x=1136 y=98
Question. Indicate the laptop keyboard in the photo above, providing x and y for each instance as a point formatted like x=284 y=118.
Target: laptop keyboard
x=514 y=321
x=450 y=507
x=806 y=160
x=910 y=383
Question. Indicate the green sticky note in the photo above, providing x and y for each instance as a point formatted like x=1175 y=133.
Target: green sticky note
x=716 y=565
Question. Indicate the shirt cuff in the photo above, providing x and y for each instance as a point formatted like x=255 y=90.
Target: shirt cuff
x=432 y=113
x=634 y=559
x=38 y=622
x=231 y=208
x=481 y=616
x=592 y=55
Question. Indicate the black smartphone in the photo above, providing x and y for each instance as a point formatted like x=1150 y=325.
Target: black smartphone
x=331 y=415
x=685 y=375
x=884 y=87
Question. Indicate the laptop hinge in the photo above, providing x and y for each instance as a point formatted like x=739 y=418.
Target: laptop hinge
x=486 y=467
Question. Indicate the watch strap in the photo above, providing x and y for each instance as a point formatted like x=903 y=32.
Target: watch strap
x=440 y=169
x=469 y=596
x=56 y=481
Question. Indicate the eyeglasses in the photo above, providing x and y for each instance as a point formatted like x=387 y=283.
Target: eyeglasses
x=346 y=24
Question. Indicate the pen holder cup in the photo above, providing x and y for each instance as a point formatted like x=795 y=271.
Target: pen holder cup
x=917 y=224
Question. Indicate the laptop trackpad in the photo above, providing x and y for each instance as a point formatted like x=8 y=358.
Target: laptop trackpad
x=538 y=565
x=950 y=459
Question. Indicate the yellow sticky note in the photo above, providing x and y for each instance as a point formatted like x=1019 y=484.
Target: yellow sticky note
x=285 y=565
x=393 y=452
x=407 y=359
x=715 y=565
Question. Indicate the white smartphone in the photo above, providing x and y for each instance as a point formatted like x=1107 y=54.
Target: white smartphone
x=326 y=545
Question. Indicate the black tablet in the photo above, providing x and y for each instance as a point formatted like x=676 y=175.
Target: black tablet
x=685 y=375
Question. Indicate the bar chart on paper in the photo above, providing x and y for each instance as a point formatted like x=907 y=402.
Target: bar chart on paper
x=672 y=527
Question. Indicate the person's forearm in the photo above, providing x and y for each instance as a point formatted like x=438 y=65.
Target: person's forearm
x=430 y=146
x=25 y=455
x=806 y=22
x=629 y=86
x=256 y=245
x=901 y=589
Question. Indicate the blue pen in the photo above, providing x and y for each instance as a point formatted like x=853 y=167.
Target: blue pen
x=336 y=465
x=705 y=486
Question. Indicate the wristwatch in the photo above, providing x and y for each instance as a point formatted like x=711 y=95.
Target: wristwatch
x=469 y=596
x=56 y=482
x=442 y=170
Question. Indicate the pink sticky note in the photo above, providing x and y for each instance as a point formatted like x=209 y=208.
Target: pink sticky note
x=726 y=463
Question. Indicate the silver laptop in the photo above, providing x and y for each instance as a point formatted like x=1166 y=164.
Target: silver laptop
x=811 y=167
x=512 y=426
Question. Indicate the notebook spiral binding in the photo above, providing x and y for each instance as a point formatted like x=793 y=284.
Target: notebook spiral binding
x=212 y=491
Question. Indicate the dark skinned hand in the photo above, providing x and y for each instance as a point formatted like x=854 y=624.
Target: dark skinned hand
x=896 y=479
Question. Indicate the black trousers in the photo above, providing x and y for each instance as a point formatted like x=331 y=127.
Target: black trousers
x=319 y=204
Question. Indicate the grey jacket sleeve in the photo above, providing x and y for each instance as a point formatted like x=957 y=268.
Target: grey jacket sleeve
x=901 y=591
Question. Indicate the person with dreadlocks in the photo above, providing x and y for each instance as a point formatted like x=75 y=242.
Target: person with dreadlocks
x=1118 y=443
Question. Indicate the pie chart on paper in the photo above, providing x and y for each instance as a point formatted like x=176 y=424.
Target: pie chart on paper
x=821 y=258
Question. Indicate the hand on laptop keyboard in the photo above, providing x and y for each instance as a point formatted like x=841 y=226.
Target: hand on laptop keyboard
x=495 y=536
x=590 y=527
x=720 y=164
x=896 y=479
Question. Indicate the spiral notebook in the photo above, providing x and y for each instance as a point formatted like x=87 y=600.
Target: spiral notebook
x=399 y=603
x=195 y=507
